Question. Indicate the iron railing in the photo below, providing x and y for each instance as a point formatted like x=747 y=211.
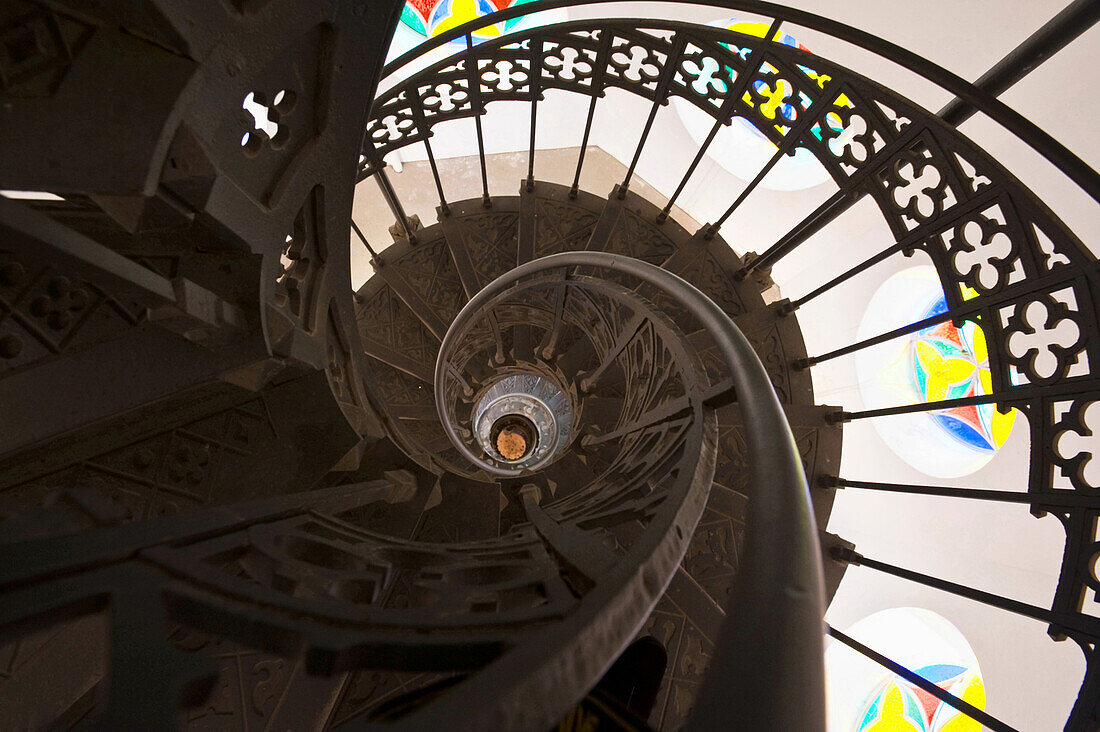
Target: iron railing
x=1047 y=266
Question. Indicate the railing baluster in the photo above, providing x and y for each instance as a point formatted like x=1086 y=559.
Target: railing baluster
x=375 y=258
x=390 y=194
x=425 y=131
x=842 y=416
x=836 y=205
x=917 y=680
x=473 y=73
x=598 y=74
x=535 y=75
x=626 y=335
x=1082 y=624
x=660 y=96
x=790 y=142
x=722 y=115
x=821 y=217
x=443 y=207
x=970 y=309
x=561 y=297
x=955 y=314
x=657 y=415
x=1058 y=498
x=736 y=90
x=584 y=146
x=914 y=237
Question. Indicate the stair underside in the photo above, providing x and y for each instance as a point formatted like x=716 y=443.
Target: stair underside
x=404 y=311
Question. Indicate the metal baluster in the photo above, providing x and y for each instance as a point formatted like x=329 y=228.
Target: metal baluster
x=914 y=237
x=1080 y=623
x=660 y=96
x=725 y=115
x=597 y=90
x=390 y=194
x=473 y=74
x=970 y=309
x=837 y=204
x=535 y=76
x=425 y=132
x=584 y=146
x=626 y=335
x=843 y=416
x=1061 y=498
x=790 y=142
x=444 y=208
x=375 y=258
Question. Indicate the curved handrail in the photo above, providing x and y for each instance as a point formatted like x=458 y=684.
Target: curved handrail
x=772 y=649
x=1028 y=132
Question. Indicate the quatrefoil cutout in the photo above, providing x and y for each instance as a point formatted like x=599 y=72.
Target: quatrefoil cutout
x=773 y=96
x=1042 y=338
x=568 y=64
x=847 y=144
x=917 y=193
x=981 y=247
x=391 y=127
x=446 y=97
x=1078 y=444
x=504 y=76
x=704 y=76
x=637 y=64
x=263 y=121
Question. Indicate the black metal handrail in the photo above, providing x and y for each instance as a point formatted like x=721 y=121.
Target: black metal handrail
x=775 y=632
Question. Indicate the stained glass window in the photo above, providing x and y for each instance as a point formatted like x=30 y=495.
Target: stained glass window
x=431 y=17
x=865 y=697
x=949 y=362
x=900 y=706
x=943 y=361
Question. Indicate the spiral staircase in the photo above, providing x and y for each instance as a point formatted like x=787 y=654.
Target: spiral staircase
x=553 y=429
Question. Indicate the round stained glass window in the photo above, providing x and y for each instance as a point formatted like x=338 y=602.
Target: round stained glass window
x=865 y=697
x=941 y=362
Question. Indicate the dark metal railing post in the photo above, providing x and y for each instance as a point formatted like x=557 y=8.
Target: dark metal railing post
x=426 y=133
x=1057 y=498
x=536 y=85
x=473 y=74
x=1082 y=624
x=725 y=115
x=598 y=75
x=966 y=708
x=790 y=142
x=375 y=258
x=660 y=97
x=389 y=193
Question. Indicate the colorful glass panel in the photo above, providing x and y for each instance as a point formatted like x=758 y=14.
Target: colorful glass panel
x=938 y=363
x=949 y=362
x=899 y=706
x=431 y=17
